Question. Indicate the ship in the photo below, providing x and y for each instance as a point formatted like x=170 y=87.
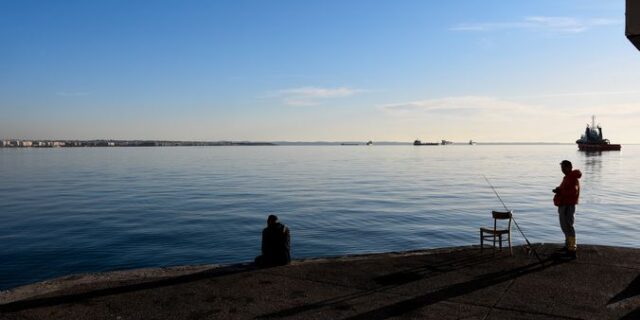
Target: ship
x=446 y=142
x=420 y=143
x=471 y=142
x=592 y=139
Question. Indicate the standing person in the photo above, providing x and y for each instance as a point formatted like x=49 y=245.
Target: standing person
x=566 y=199
x=276 y=244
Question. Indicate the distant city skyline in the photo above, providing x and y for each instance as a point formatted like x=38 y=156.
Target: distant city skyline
x=491 y=71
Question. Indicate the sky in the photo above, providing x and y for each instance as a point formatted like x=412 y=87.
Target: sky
x=330 y=70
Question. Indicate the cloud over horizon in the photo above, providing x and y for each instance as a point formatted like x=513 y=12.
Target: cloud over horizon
x=548 y=23
x=457 y=104
x=310 y=96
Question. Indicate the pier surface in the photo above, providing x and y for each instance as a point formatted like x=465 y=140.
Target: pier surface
x=453 y=283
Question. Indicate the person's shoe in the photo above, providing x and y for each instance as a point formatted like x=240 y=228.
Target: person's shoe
x=558 y=255
x=565 y=256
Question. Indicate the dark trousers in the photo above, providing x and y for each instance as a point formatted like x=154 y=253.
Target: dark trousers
x=567 y=215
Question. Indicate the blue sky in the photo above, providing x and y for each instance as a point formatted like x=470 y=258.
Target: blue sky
x=317 y=70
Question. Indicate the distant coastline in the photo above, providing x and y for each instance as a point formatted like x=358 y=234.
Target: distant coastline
x=24 y=143
x=122 y=143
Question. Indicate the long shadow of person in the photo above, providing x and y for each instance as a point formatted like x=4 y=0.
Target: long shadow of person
x=396 y=279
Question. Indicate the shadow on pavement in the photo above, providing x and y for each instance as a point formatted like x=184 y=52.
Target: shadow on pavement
x=453 y=291
x=400 y=278
x=633 y=315
x=62 y=299
x=631 y=291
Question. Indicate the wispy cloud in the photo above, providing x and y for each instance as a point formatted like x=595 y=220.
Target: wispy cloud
x=502 y=119
x=627 y=111
x=554 y=24
x=580 y=94
x=456 y=105
x=72 y=94
x=309 y=96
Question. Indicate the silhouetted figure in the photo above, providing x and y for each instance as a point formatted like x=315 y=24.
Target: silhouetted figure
x=566 y=199
x=276 y=244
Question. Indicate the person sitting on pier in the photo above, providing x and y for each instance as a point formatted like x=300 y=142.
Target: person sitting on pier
x=276 y=244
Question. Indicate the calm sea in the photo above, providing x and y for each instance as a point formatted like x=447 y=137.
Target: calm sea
x=65 y=211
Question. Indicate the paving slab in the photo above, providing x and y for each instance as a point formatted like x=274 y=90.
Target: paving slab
x=449 y=283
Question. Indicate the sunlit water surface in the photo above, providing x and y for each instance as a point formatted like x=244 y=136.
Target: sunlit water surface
x=66 y=211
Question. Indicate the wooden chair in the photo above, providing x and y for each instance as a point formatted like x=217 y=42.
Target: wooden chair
x=495 y=233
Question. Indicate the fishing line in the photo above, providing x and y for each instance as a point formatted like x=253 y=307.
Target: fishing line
x=514 y=219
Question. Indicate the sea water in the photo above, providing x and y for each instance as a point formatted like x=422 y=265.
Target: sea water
x=77 y=210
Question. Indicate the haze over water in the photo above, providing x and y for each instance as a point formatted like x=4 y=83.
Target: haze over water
x=65 y=211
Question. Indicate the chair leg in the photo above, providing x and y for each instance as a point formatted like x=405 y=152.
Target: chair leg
x=500 y=238
x=494 y=243
x=481 y=242
x=510 y=248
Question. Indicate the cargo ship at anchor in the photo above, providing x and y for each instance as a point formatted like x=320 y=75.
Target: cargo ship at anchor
x=420 y=143
x=592 y=139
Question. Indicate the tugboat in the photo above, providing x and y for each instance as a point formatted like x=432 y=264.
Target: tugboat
x=420 y=143
x=592 y=139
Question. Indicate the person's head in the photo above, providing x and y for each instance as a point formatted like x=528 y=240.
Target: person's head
x=272 y=219
x=566 y=166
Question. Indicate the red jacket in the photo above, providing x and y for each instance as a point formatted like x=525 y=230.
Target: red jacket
x=569 y=190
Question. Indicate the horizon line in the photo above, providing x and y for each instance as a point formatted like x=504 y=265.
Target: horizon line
x=295 y=141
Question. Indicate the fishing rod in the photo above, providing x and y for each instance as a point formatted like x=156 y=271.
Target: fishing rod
x=514 y=219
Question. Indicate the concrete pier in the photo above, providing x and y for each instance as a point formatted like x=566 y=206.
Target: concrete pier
x=453 y=283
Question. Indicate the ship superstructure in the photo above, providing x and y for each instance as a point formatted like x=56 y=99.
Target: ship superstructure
x=592 y=139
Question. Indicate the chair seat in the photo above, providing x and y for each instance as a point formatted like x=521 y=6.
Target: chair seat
x=491 y=231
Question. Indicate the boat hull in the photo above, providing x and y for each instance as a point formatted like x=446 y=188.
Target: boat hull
x=598 y=147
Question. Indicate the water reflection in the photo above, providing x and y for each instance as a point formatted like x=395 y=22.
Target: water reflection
x=592 y=153
x=592 y=163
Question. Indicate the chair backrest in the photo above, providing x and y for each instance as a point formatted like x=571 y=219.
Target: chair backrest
x=501 y=215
